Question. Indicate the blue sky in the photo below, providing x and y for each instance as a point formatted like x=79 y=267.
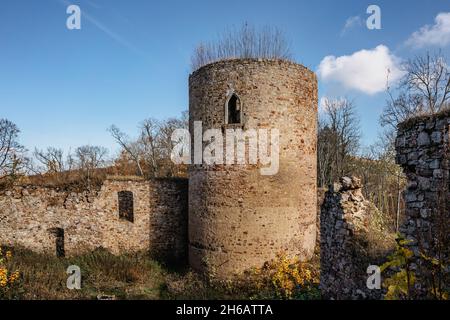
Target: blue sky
x=131 y=59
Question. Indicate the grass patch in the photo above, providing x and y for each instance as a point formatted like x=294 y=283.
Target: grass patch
x=131 y=276
x=138 y=276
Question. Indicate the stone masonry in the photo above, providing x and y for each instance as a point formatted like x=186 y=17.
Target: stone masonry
x=345 y=245
x=423 y=151
x=38 y=218
x=239 y=218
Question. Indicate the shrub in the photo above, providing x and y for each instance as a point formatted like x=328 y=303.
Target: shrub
x=246 y=42
x=9 y=280
x=290 y=278
x=401 y=280
x=280 y=278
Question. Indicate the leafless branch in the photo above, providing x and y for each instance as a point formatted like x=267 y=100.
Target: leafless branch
x=243 y=42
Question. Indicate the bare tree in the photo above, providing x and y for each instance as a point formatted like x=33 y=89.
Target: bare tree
x=12 y=158
x=424 y=89
x=149 y=144
x=166 y=144
x=383 y=179
x=90 y=157
x=244 y=42
x=325 y=150
x=144 y=151
x=52 y=159
x=339 y=135
x=152 y=149
x=131 y=148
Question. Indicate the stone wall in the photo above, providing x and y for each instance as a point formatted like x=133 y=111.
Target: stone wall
x=347 y=246
x=29 y=216
x=238 y=218
x=169 y=219
x=423 y=151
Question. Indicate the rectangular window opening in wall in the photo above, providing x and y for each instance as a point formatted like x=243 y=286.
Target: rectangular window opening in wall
x=126 y=206
x=59 y=241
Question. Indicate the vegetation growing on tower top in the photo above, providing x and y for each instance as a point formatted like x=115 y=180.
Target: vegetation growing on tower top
x=245 y=42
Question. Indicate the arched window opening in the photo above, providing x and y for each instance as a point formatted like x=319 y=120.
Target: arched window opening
x=234 y=110
x=126 y=206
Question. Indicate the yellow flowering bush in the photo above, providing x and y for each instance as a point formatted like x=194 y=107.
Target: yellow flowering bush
x=290 y=277
x=8 y=279
x=287 y=278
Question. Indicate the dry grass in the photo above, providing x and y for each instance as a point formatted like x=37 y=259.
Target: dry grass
x=73 y=181
x=129 y=276
x=125 y=178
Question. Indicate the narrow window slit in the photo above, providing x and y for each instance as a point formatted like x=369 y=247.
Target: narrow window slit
x=58 y=233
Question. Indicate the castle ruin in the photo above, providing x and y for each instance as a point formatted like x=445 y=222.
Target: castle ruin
x=422 y=147
x=231 y=219
x=226 y=219
x=126 y=214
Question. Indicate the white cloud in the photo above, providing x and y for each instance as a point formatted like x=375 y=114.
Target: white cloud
x=351 y=23
x=432 y=35
x=364 y=70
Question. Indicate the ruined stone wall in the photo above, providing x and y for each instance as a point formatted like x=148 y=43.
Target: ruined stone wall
x=29 y=216
x=347 y=247
x=169 y=219
x=423 y=151
x=238 y=218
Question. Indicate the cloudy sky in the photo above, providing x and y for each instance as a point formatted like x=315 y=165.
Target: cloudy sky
x=131 y=59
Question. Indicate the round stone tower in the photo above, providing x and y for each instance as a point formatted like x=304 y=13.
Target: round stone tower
x=239 y=217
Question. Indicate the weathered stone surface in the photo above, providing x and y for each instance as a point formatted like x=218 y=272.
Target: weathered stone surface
x=91 y=220
x=423 y=139
x=344 y=232
x=427 y=203
x=238 y=218
x=350 y=183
